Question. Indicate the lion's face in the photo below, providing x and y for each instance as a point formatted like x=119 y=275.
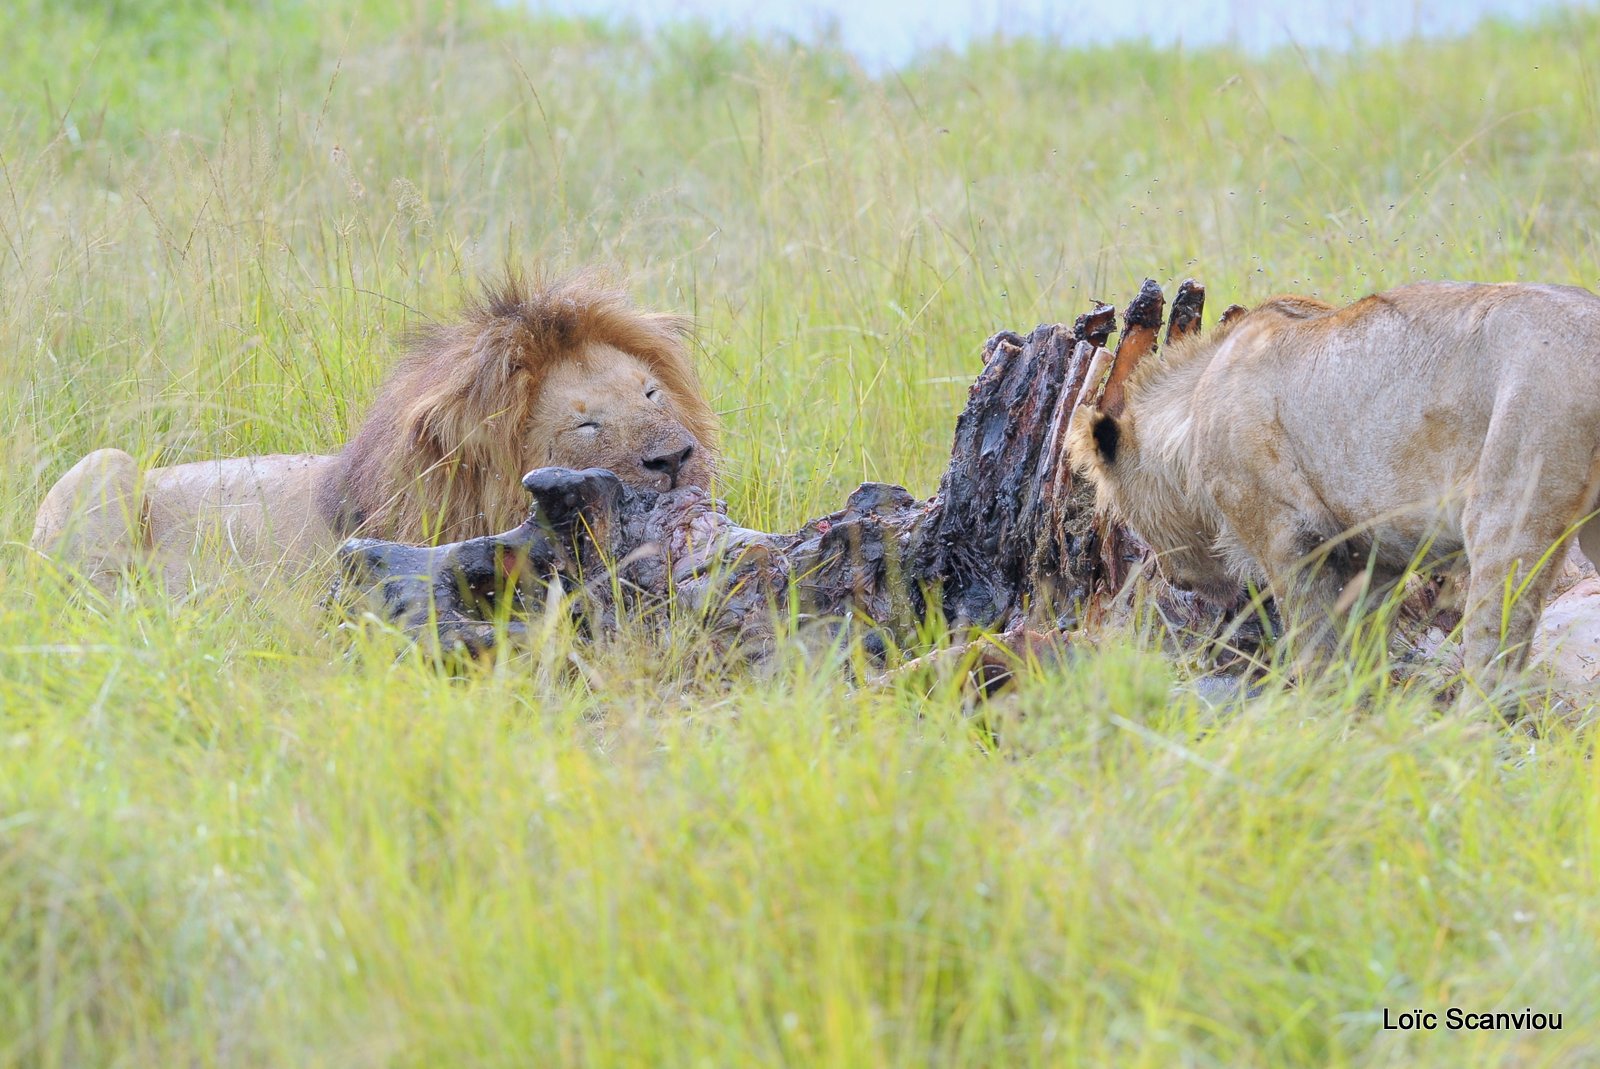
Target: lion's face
x=1144 y=493
x=607 y=409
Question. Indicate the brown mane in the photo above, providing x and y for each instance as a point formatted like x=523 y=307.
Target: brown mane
x=441 y=451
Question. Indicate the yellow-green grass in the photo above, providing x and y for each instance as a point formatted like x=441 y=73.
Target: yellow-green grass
x=227 y=839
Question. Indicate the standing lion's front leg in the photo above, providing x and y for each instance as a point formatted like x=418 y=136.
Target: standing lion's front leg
x=1509 y=580
x=1530 y=497
x=1277 y=522
x=1310 y=573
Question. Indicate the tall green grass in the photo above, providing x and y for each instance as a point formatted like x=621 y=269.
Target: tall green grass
x=225 y=838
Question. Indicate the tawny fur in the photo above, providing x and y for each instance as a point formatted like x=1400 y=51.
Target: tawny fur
x=567 y=373
x=1307 y=446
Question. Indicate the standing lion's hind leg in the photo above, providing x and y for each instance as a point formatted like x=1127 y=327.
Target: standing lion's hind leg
x=93 y=519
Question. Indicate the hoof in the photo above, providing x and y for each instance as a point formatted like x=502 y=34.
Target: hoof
x=562 y=496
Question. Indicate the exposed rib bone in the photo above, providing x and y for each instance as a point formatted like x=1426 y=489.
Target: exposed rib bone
x=1140 y=323
x=1186 y=309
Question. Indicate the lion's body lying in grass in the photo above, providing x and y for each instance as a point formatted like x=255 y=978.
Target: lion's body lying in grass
x=1306 y=447
x=568 y=374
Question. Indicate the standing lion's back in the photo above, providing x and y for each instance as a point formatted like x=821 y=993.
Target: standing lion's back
x=1450 y=336
x=1504 y=319
x=1388 y=402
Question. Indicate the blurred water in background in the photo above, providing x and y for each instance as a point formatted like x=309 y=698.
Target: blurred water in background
x=886 y=33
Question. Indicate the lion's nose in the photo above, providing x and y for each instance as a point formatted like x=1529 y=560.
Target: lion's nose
x=669 y=464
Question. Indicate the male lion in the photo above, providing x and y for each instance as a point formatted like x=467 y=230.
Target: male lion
x=1309 y=446
x=568 y=374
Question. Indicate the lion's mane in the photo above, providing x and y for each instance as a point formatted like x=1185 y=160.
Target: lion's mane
x=441 y=450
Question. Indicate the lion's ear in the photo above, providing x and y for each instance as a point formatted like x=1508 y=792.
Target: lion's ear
x=1106 y=430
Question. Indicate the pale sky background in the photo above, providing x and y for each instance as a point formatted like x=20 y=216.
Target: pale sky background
x=885 y=33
